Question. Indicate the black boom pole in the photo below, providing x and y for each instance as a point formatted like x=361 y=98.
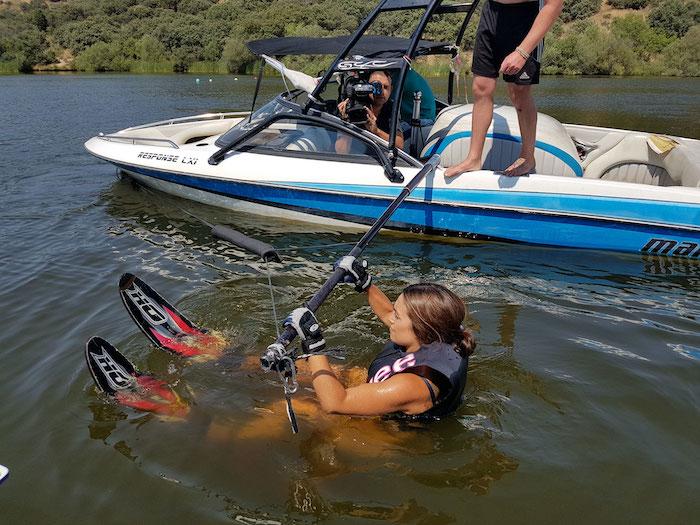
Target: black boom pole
x=269 y=359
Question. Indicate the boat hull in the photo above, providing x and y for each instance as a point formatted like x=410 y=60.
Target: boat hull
x=550 y=219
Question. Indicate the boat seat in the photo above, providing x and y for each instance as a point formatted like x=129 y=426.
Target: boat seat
x=632 y=159
x=682 y=164
x=555 y=151
x=597 y=149
x=311 y=139
x=184 y=133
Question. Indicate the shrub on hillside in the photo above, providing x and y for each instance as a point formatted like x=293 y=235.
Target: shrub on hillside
x=628 y=4
x=79 y=35
x=645 y=40
x=589 y=50
x=26 y=48
x=682 y=57
x=675 y=17
x=194 y=7
x=579 y=9
x=149 y=49
x=236 y=55
x=102 y=56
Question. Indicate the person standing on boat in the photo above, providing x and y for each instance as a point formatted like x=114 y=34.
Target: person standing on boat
x=509 y=41
x=378 y=114
x=422 y=370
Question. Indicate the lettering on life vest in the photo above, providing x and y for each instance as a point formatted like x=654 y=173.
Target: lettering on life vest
x=396 y=367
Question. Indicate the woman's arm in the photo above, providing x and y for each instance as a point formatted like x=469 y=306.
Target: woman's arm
x=405 y=393
x=380 y=303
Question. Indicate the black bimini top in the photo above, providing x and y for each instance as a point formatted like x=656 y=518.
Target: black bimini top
x=374 y=46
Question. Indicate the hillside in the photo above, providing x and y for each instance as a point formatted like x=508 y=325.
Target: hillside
x=613 y=37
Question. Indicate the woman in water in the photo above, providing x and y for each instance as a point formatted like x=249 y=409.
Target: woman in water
x=422 y=370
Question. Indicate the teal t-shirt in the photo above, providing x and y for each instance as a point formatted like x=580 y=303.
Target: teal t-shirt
x=415 y=82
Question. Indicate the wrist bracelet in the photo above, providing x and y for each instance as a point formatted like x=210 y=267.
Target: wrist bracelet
x=522 y=53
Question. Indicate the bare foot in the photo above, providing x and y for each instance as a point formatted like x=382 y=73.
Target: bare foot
x=462 y=167
x=519 y=168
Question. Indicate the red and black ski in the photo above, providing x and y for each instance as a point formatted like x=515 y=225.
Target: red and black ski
x=116 y=376
x=160 y=321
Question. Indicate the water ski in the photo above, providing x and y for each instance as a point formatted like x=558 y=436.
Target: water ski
x=4 y=471
x=164 y=326
x=116 y=376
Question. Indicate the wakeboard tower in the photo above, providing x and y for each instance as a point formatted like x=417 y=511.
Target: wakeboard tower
x=163 y=324
x=117 y=377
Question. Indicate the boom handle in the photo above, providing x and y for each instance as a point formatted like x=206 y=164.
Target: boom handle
x=264 y=250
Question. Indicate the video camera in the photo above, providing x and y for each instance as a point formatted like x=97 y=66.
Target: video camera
x=358 y=91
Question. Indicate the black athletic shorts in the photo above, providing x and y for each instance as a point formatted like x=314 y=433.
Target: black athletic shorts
x=502 y=28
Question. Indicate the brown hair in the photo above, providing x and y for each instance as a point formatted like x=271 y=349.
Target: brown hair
x=437 y=314
x=383 y=72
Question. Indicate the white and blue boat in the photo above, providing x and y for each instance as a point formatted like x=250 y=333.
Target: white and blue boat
x=596 y=188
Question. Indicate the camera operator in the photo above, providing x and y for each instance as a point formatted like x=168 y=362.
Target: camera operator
x=378 y=113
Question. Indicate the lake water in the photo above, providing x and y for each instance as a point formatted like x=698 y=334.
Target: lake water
x=582 y=401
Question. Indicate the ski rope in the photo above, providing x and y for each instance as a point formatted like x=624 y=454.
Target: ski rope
x=286 y=368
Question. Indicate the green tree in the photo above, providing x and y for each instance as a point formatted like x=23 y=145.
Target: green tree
x=104 y=56
x=149 y=49
x=674 y=17
x=643 y=39
x=194 y=7
x=629 y=4
x=682 y=58
x=236 y=55
x=589 y=50
x=579 y=9
x=39 y=19
x=79 y=35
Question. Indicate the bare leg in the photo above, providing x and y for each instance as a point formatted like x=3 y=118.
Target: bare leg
x=524 y=103
x=483 y=89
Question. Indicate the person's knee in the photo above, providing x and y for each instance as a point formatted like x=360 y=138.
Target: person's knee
x=483 y=87
x=521 y=97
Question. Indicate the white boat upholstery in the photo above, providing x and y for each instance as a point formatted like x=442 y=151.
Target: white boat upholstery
x=629 y=160
x=312 y=139
x=633 y=160
x=183 y=133
x=683 y=165
x=555 y=152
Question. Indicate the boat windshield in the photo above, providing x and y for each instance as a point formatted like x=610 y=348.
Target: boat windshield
x=276 y=106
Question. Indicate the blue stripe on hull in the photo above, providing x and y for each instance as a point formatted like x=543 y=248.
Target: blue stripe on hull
x=520 y=226
x=671 y=213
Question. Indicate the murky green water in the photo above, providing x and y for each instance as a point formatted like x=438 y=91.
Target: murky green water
x=582 y=402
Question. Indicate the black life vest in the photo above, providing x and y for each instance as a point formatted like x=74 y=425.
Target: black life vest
x=438 y=362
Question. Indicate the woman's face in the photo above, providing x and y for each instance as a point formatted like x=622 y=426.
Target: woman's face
x=400 y=326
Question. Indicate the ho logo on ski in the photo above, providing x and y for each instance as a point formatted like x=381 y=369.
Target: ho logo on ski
x=112 y=371
x=151 y=311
